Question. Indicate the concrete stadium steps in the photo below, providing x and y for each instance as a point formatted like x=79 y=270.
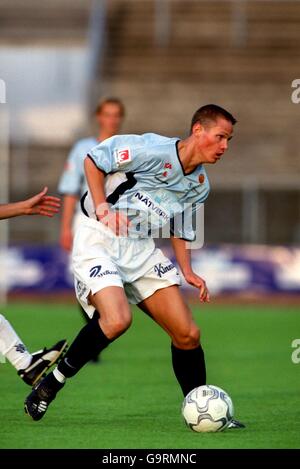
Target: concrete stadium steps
x=252 y=103
x=161 y=87
x=265 y=147
x=60 y=22
x=206 y=66
x=205 y=62
x=199 y=32
x=267 y=22
x=40 y=160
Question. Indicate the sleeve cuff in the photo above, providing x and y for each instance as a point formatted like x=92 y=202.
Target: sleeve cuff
x=183 y=238
x=100 y=169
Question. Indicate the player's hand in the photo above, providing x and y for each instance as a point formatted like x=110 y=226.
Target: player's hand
x=41 y=204
x=116 y=221
x=198 y=282
x=66 y=239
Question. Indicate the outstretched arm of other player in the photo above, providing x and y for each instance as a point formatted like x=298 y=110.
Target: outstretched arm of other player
x=117 y=222
x=39 y=204
x=183 y=257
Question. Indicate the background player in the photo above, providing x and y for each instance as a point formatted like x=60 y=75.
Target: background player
x=123 y=174
x=72 y=185
x=30 y=367
x=109 y=115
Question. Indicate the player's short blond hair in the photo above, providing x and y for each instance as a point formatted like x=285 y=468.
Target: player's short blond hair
x=110 y=100
x=210 y=113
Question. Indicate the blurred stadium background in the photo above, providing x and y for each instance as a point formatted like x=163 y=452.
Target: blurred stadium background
x=164 y=59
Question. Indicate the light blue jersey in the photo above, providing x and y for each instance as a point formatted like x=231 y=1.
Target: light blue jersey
x=72 y=181
x=144 y=176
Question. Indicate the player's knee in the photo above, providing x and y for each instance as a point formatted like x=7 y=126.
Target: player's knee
x=189 y=338
x=115 y=328
x=122 y=325
x=195 y=335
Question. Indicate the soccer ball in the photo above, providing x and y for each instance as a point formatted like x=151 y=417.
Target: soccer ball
x=207 y=409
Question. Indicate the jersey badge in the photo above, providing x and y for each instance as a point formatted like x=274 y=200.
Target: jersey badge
x=123 y=156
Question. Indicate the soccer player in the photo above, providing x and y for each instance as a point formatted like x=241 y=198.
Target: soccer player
x=114 y=259
x=72 y=185
x=30 y=367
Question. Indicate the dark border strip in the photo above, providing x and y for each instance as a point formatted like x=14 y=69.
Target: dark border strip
x=122 y=188
x=177 y=153
x=82 y=203
x=99 y=169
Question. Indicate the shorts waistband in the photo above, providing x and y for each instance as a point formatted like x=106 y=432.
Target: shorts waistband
x=97 y=225
x=107 y=232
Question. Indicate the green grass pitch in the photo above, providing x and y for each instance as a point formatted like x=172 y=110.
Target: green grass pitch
x=131 y=399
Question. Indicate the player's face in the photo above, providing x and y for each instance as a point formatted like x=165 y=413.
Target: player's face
x=110 y=118
x=212 y=140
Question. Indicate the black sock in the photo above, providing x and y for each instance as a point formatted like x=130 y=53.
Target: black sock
x=51 y=382
x=90 y=341
x=86 y=318
x=189 y=367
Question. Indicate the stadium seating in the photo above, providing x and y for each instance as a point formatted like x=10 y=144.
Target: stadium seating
x=214 y=51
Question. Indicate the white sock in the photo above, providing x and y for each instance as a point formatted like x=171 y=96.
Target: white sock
x=59 y=376
x=12 y=347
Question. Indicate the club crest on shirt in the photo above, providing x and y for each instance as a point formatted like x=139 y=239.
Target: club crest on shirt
x=201 y=178
x=123 y=156
x=166 y=166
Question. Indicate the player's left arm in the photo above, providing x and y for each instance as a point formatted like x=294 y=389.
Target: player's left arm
x=183 y=257
x=39 y=204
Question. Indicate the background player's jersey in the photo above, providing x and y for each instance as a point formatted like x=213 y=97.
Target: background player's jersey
x=145 y=177
x=72 y=181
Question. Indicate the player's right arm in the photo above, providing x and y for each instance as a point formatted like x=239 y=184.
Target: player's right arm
x=116 y=154
x=96 y=179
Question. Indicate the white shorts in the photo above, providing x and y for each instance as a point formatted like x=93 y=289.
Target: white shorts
x=101 y=259
x=78 y=220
